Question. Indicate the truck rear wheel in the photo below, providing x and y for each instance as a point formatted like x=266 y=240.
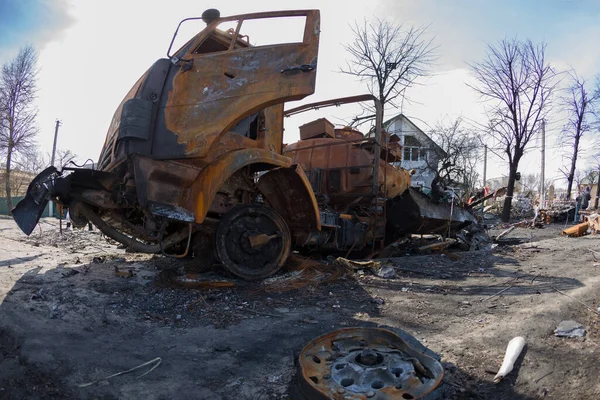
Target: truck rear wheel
x=252 y=241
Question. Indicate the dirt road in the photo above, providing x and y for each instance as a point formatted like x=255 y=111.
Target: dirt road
x=67 y=319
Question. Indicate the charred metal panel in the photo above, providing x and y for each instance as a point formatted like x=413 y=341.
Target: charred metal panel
x=288 y=191
x=334 y=178
x=132 y=128
x=170 y=211
x=162 y=181
x=415 y=212
x=152 y=91
x=107 y=160
x=351 y=234
x=98 y=198
x=136 y=119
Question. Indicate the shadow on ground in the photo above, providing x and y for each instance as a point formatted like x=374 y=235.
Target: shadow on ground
x=69 y=326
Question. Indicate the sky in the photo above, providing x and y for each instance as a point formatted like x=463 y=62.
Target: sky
x=91 y=53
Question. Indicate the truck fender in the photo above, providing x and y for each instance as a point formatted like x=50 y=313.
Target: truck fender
x=288 y=191
x=204 y=189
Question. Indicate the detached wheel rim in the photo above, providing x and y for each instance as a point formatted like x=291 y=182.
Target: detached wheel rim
x=253 y=242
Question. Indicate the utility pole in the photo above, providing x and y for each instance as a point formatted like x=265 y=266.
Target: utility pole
x=543 y=171
x=484 y=164
x=51 y=204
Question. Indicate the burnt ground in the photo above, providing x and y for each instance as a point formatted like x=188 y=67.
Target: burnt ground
x=67 y=319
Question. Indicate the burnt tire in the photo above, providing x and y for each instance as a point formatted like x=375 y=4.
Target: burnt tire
x=233 y=241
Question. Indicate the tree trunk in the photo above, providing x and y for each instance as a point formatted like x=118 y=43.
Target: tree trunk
x=572 y=170
x=597 y=190
x=509 y=192
x=7 y=180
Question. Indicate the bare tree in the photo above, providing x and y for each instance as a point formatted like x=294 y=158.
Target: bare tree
x=530 y=184
x=17 y=113
x=32 y=161
x=517 y=82
x=578 y=176
x=389 y=58
x=24 y=168
x=580 y=104
x=457 y=165
x=64 y=157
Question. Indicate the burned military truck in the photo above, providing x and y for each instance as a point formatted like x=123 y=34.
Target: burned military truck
x=194 y=166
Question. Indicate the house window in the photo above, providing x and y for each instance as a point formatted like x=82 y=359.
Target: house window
x=414 y=153
x=413 y=150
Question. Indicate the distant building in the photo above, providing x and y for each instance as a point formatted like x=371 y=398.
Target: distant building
x=19 y=181
x=500 y=182
x=420 y=152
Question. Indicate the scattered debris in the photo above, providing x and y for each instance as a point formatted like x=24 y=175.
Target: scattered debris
x=594 y=221
x=570 y=329
x=124 y=274
x=155 y=361
x=39 y=295
x=199 y=281
x=543 y=376
x=504 y=233
x=378 y=300
x=303 y=272
x=558 y=213
x=54 y=311
x=69 y=272
x=497 y=293
x=577 y=230
x=437 y=246
x=514 y=348
x=579 y=301
x=386 y=271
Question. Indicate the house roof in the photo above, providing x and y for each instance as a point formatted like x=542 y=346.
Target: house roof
x=588 y=181
x=401 y=116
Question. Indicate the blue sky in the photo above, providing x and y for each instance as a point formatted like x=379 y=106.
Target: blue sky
x=30 y=21
x=92 y=51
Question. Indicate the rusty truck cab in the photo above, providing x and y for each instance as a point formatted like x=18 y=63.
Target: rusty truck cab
x=185 y=148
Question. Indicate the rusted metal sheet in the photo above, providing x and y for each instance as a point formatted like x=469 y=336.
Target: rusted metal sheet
x=202 y=93
x=222 y=88
x=202 y=192
x=348 y=133
x=365 y=363
x=350 y=169
x=339 y=168
x=577 y=230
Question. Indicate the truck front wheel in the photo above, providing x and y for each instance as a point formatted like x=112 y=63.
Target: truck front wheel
x=252 y=241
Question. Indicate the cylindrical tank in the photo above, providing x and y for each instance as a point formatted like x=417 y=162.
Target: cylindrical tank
x=343 y=170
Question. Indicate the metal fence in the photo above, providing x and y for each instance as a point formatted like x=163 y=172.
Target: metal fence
x=15 y=200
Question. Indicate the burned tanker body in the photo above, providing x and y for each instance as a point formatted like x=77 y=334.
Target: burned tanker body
x=365 y=199
x=194 y=166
